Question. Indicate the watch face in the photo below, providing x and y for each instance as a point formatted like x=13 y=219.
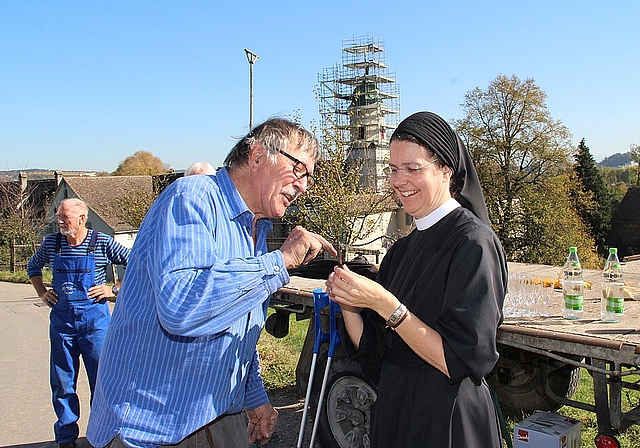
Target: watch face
x=115 y=290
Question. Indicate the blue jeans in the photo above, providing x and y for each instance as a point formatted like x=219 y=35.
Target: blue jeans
x=74 y=330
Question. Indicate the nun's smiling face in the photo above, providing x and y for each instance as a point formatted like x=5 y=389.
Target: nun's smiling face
x=421 y=185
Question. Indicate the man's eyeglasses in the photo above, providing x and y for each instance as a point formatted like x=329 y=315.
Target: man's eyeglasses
x=299 y=168
x=393 y=170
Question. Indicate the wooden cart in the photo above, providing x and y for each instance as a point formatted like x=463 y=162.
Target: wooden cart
x=609 y=351
x=540 y=363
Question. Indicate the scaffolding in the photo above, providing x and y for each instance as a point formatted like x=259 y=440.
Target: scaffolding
x=360 y=101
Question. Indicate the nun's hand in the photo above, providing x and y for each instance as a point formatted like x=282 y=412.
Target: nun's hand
x=353 y=291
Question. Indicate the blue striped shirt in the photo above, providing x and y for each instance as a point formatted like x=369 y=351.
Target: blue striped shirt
x=181 y=347
x=107 y=251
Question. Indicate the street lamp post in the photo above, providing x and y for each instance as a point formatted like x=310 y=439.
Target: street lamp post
x=251 y=57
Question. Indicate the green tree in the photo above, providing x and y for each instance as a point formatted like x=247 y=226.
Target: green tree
x=618 y=180
x=133 y=208
x=517 y=148
x=22 y=220
x=550 y=224
x=141 y=163
x=596 y=212
x=339 y=207
x=634 y=151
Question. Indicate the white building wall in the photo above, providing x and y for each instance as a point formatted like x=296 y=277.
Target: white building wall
x=389 y=227
x=126 y=239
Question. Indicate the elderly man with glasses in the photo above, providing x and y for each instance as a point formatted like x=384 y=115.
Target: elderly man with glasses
x=180 y=365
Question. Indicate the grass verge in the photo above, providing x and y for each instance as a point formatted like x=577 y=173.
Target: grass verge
x=279 y=357
x=630 y=399
x=21 y=276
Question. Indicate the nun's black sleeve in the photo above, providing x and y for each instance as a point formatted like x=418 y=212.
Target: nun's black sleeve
x=472 y=306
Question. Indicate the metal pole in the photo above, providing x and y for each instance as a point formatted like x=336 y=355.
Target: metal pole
x=251 y=57
x=250 y=96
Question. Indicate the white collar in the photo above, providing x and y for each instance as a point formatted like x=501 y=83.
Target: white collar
x=436 y=215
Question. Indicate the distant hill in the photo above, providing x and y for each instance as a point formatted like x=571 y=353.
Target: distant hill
x=616 y=160
x=32 y=173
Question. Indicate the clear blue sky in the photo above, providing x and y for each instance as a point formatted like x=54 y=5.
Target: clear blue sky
x=84 y=84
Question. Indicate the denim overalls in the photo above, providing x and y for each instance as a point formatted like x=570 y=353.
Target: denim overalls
x=77 y=327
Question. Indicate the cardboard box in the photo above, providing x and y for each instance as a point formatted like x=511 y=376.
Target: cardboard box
x=547 y=430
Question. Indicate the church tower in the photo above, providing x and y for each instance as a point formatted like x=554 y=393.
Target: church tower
x=360 y=99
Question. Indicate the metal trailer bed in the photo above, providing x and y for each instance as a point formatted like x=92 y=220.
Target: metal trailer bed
x=609 y=351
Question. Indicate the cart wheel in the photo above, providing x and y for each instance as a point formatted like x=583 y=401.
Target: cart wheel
x=519 y=382
x=277 y=324
x=344 y=421
x=606 y=441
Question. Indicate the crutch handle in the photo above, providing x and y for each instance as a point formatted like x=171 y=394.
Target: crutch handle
x=320 y=301
x=334 y=333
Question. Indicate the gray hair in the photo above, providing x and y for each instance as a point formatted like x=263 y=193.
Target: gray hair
x=200 y=168
x=273 y=134
x=76 y=204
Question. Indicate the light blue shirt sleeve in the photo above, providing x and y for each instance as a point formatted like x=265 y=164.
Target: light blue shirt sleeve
x=255 y=394
x=201 y=290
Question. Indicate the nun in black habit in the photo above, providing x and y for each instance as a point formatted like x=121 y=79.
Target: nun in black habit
x=430 y=318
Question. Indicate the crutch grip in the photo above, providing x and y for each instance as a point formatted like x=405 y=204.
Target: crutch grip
x=320 y=301
x=334 y=333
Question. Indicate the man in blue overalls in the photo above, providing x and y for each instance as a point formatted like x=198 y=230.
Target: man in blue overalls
x=79 y=311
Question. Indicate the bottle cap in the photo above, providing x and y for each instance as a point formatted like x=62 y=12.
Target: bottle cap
x=613 y=250
x=573 y=249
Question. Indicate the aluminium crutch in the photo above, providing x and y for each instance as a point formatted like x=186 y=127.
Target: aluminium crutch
x=320 y=301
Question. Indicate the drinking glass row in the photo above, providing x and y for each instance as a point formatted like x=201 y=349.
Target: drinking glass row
x=528 y=296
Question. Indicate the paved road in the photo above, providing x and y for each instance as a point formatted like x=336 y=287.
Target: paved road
x=26 y=413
